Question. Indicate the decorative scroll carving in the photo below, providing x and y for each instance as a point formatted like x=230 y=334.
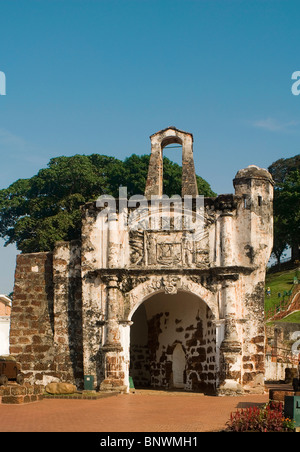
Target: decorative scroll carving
x=136 y=242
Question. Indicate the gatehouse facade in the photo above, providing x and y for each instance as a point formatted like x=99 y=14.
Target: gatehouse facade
x=168 y=291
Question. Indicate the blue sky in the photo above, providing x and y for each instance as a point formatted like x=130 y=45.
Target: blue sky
x=102 y=76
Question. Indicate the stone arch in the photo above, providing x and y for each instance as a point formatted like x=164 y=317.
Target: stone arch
x=173 y=340
x=154 y=184
x=169 y=284
x=173 y=139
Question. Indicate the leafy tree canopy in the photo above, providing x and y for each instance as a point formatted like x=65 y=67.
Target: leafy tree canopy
x=281 y=169
x=37 y=212
x=286 y=174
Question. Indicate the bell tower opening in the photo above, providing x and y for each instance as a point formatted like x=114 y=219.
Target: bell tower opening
x=159 y=141
x=171 y=157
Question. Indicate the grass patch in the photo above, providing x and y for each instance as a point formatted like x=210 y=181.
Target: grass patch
x=292 y=318
x=279 y=283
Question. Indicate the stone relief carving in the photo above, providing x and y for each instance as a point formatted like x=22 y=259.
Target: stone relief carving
x=171 y=247
x=201 y=256
x=165 y=248
x=136 y=242
x=168 y=253
x=170 y=284
x=127 y=283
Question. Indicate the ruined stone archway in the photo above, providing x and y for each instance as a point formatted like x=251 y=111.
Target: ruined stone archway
x=168 y=283
x=174 y=333
x=90 y=289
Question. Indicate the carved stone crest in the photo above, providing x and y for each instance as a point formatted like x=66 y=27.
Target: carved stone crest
x=168 y=253
x=170 y=284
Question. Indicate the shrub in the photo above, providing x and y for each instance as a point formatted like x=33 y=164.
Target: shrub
x=269 y=418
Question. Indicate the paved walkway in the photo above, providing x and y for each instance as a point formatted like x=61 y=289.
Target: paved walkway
x=144 y=411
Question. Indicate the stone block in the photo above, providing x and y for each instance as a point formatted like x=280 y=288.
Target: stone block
x=18 y=390
x=61 y=388
x=13 y=400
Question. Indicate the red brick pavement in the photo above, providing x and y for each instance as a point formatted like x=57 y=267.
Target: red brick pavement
x=139 y=412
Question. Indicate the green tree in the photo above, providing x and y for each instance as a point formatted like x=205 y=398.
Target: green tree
x=37 y=212
x=279 y=239
x=285 y=173
x=136 y=171
x=287 y=213
x=281 y=169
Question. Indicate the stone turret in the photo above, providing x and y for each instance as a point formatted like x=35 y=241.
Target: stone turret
x=254 y=186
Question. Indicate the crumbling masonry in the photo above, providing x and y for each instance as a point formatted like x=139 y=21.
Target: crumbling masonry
x=154 y=299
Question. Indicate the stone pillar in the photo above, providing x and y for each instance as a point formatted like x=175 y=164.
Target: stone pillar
x=113 y=241
x=125 y=326
x=189 y=181
x=111 y=350
x=230 y=371
x=219 y=325
x=154 y=184
x=117 y=239
x=112 y=327
x=226 y=239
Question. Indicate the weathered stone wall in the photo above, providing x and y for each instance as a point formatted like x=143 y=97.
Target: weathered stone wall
x=139 y=349
x=68 y=339
x=251 y=331
x=32 y=318
x=282 y=349
x=18 y=394
x=46 y=323
x=202 y=287
x=139 y=366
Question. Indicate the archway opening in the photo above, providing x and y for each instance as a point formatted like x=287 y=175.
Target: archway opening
x=173 y=344
x=178 y=366
x=172 y=174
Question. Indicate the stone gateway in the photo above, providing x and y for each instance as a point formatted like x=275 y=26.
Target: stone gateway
x=169 y=292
